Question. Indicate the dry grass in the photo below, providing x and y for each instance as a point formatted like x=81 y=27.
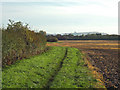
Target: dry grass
x=87 y=44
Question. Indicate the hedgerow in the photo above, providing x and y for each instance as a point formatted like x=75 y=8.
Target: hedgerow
x=18 y=42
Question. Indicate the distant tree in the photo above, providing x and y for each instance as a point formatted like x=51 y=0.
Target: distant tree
x=98 y=34
x=52 y=39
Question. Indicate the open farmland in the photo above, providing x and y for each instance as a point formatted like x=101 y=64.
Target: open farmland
x=102 y=54
x=59 y=67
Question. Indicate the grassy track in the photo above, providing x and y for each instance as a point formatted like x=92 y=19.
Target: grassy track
x=60 y=67
x=73 y=73
x=34 y=72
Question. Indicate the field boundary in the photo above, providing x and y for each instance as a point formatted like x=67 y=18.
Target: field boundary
x=94 y=70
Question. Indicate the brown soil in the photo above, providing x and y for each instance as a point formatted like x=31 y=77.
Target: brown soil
x=101 y=54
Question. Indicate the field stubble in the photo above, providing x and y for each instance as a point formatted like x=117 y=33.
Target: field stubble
x=102 y=54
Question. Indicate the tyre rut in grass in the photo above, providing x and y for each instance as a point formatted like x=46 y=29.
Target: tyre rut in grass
x=56 y=72
x=73 y=73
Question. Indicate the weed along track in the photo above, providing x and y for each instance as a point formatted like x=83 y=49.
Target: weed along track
x=56 y=72
x=59 y=67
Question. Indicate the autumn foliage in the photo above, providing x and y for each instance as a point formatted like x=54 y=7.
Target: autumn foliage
x=19 y=42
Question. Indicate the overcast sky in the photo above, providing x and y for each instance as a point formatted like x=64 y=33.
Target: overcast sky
x=64 y=16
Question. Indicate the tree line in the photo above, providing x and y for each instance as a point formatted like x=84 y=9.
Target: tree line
x=97 y=36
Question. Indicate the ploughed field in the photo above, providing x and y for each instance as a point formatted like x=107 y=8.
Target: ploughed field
x=59 y=67
x=102 y=54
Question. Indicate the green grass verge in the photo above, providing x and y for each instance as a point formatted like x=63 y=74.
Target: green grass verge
x=34 y=72
x=73 y=73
